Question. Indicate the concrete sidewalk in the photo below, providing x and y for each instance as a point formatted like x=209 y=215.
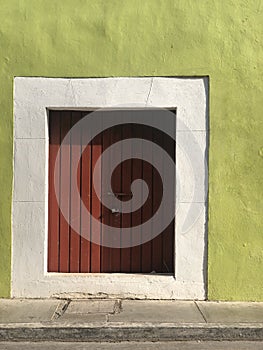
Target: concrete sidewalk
x=128 y=320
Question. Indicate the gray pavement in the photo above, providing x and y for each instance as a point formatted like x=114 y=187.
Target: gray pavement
x=191 y=345
x=132 y=320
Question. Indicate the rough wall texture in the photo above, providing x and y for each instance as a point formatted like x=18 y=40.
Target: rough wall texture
x=221 y=39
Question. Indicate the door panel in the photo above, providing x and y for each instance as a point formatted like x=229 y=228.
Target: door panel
x=69 y=251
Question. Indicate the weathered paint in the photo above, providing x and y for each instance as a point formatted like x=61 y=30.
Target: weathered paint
x=159 y=38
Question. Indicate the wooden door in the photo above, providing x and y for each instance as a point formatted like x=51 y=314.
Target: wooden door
x=68 y=251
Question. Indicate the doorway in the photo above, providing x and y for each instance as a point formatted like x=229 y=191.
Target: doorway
x=68 y=250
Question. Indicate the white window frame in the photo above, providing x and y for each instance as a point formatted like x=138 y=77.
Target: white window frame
x=33 y=97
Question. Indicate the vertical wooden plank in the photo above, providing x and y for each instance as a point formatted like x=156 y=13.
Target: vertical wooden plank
x=147 y=207
x=126 y=190
x=74 y=258
x=136 y=216
x=115 y=218
x=86 y=202
x=53 y=208
x=168 y=234
x=168 y=249
x=157 y=247
x=95 y=204
x=64 y=193
x=105 y=212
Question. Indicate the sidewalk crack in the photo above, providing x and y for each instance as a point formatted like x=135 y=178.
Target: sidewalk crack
x=198 y=308
x=61 y=309
x=117 y=308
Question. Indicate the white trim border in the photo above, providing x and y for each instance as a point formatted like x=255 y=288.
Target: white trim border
x=33 y=97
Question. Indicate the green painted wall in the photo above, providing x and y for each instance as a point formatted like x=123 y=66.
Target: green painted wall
x=222 y=39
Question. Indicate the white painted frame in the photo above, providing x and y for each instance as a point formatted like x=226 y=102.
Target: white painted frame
x=33 y=97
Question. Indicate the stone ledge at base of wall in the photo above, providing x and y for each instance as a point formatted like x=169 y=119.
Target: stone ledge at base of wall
x=134 y=332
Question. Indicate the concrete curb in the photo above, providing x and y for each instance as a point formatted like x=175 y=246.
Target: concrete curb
x=131 y=332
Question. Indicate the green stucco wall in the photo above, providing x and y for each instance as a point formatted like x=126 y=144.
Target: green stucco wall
x=222 y=39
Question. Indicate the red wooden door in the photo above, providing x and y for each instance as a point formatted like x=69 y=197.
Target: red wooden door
x=68 y=251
